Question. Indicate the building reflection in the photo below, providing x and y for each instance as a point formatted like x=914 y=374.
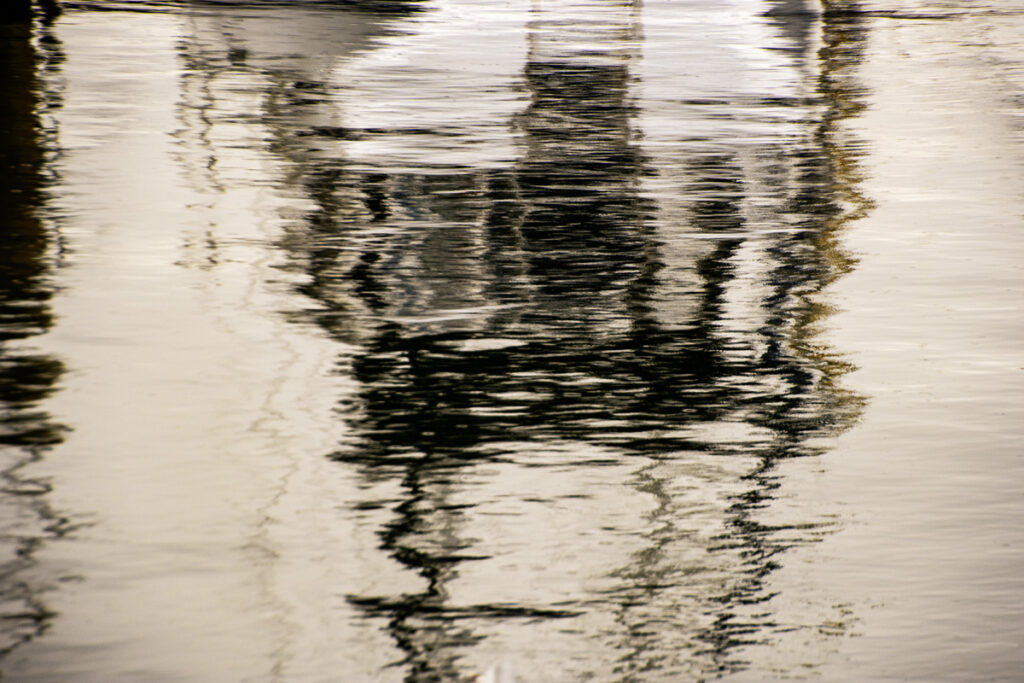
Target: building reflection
x=29 y=54
x=500 y=315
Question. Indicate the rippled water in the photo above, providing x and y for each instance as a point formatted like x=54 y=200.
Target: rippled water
x=573 y=340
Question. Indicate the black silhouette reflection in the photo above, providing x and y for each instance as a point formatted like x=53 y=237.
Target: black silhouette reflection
x=493 y=314
x=28 y=53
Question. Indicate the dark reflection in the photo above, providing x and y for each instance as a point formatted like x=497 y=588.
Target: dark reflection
x=496 y=313
x=558 y=245
x=564 y=241
x=27 y=54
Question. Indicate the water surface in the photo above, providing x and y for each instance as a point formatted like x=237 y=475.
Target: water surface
x=595 y=340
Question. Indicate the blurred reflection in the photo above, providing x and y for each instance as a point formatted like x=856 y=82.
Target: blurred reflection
x=27 y=248
x=550 y=318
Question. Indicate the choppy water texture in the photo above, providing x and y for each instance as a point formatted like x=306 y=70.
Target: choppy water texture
x=576 y=340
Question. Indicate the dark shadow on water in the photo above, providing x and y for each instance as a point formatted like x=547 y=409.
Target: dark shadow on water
x=29 y=54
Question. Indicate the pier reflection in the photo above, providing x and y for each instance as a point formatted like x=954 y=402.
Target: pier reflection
x=579 y=348
x=29 y=55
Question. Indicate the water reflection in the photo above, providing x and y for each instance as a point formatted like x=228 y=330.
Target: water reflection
x=29 y=54
x=579 y=352
x=804 y=401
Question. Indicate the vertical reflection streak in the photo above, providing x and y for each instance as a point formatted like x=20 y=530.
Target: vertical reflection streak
x=30 y=56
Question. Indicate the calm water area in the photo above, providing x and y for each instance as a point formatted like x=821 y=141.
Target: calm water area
x=519 y=340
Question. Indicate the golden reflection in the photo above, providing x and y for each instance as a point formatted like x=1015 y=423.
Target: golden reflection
x=843 y=40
